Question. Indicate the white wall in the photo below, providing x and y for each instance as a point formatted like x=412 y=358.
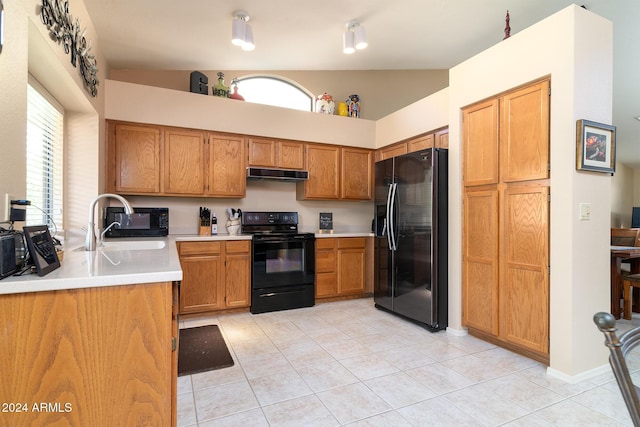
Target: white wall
x=29 y=49
x=574 y=47
x=147 y=104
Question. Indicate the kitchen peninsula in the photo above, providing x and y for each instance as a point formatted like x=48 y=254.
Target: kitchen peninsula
x=92 y=342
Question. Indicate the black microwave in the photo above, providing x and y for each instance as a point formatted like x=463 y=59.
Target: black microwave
x=144 y=222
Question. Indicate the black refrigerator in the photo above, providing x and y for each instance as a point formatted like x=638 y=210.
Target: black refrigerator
x=410 y=225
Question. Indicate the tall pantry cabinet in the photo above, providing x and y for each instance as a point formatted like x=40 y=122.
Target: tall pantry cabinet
x=505 y=281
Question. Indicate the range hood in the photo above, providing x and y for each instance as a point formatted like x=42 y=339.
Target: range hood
x=277 y=174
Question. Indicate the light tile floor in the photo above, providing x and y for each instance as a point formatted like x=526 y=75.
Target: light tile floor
x=348 y=363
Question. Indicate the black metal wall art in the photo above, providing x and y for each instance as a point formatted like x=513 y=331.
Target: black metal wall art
x=64 y=30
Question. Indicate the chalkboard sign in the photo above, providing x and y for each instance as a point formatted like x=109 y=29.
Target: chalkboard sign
x=326 y=222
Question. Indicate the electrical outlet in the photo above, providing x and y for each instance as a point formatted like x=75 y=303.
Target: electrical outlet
x=7 y=207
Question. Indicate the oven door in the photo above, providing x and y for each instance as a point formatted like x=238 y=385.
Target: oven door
x=283 y=261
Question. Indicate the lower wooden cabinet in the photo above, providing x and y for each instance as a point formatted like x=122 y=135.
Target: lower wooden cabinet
x=89 y=357
x=341 y=266
x=216 y=275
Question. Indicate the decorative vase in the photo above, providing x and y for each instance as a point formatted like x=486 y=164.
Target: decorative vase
x=325 y=104
x=343 y=110
x=353 y=103
x=220 y=89
x=235 y=94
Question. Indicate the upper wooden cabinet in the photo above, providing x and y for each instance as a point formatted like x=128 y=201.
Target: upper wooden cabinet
x=507 y=138
x=184 y=162
x=166 y=161
x=438 y=139
x=524 y=132
x=265 y=152
x=357 y=174
x=133 y=158
x=227 y=168
x=337 y=173
x=323 y=164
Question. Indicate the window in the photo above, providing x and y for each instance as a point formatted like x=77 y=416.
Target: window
x=276 y=92
x=45 y=119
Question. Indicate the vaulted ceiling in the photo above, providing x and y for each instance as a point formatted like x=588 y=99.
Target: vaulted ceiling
x=307 y=35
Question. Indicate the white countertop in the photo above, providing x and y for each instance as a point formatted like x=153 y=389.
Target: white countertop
x=82 y=269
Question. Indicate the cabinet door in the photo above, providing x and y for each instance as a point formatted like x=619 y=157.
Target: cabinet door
x=480 y=143
x=262 y=152
x=480 y=261
x=202 y=288
x=237 y=274
x=524 y=287
x=442 y=139
x=351 y=265
x=392 y=151
x=357 y=174
x=290 y=155
x=326 y=278
x=420 y=143
x=184 y=162
x=323 y=163
x=227 y=171
x=524 y=133
x=134 y=151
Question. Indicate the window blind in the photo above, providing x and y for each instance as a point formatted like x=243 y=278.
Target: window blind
x=45 y=118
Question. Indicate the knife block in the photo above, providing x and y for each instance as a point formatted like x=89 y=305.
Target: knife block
x=204 y=230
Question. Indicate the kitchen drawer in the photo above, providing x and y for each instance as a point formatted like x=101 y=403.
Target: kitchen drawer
x=326 y=243
x=325 y=261
x=326 y=284
x=238 y=246
x=351 y=242
x=199 y=248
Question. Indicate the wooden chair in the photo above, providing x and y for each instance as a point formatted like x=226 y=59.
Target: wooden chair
x=625 y=236
x=629 y=281
x=619 y=348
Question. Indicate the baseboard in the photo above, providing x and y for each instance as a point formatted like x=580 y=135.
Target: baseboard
x=462 y=332
x=573 y=379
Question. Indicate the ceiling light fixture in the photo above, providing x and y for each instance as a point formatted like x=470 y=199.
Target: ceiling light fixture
x=355 y=37
x=241 y=32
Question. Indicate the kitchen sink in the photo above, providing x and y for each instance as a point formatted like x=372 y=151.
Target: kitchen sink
x=132 y=245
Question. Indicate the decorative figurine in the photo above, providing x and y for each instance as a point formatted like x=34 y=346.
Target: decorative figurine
x=325 y=104
x=235 y=94
x=507 y=28
x=353 y=103
x=220 y=89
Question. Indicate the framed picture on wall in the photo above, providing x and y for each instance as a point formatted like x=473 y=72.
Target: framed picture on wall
x=596 y=147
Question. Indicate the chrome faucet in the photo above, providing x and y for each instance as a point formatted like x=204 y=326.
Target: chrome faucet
x=105 y=231
x=90 y=242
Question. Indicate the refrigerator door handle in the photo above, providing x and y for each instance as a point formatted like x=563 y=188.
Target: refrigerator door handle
x=387 y=219
x=392 y=220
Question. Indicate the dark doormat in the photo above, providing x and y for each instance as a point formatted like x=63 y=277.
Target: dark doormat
x=202 y=349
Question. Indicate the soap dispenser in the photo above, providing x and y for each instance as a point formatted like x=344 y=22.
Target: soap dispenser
x=214 y=224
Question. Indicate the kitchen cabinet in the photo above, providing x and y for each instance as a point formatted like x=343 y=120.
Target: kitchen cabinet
x=438 y=139
x=133 y=158
x=98 y=356
x=272 y=153
x=167 y=161
x=392 y=150
x=505 y=272
x=323 y=164
x=337 y=173
x=215 y=275
x=227 y=166
x=342 y=266
x=184 y=162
